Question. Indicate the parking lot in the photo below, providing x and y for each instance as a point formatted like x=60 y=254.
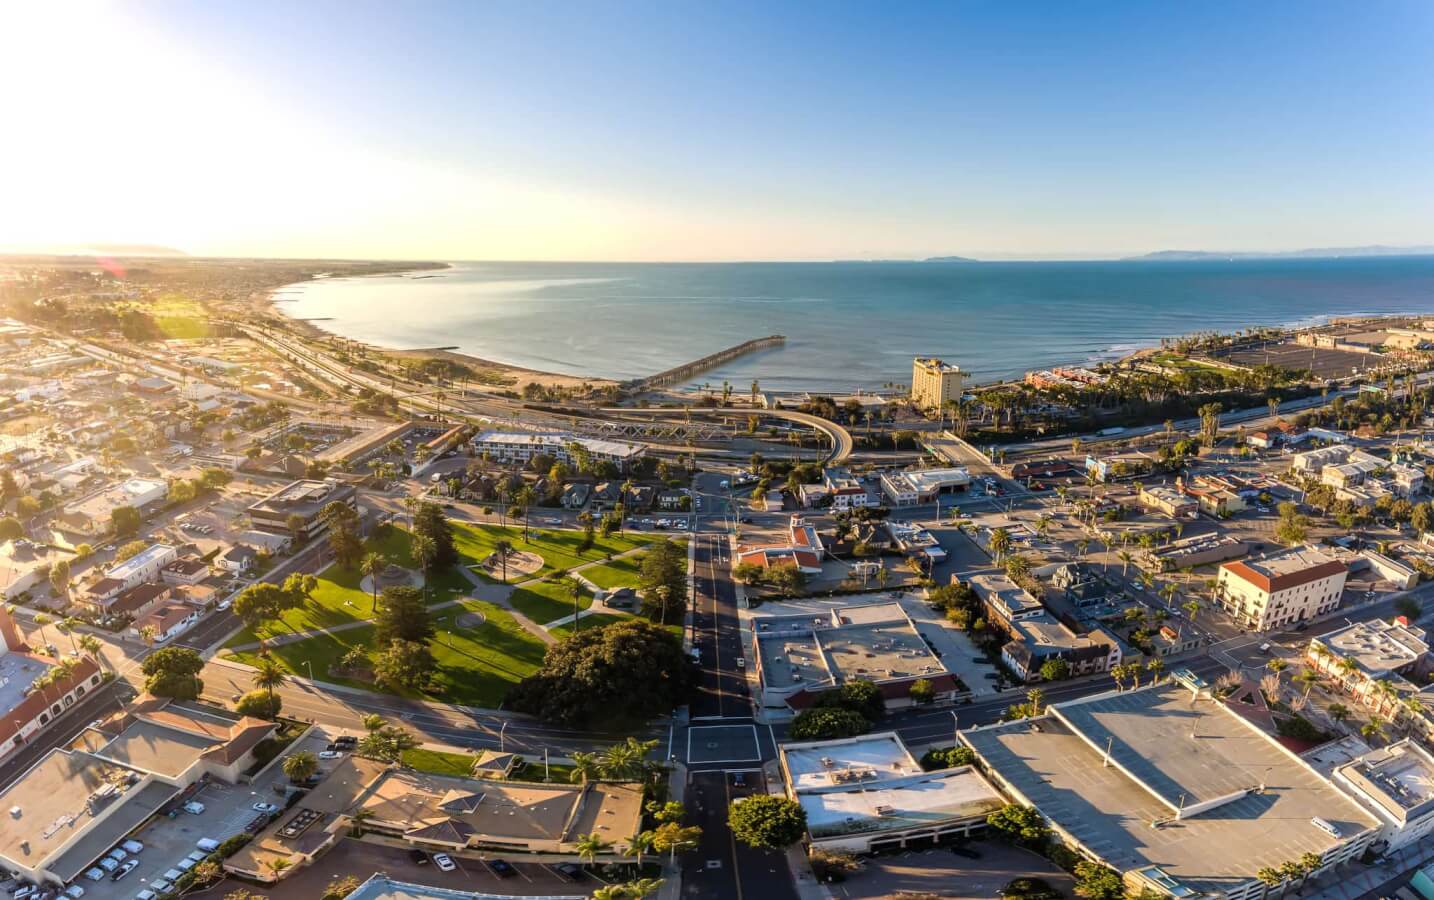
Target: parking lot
x=942 y=873
x=167 y=841
x=362 y=859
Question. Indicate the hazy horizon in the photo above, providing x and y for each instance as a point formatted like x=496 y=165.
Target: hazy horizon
x=741 y=133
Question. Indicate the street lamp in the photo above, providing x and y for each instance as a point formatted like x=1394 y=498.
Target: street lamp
x=955 y=730
x=502 y=742
x=311 y=669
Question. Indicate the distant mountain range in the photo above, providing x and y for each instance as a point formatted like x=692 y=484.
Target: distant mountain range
x=150 y=250
x=1312 y=253
x=929 y=259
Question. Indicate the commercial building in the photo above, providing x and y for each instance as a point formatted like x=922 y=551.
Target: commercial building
x=90 y=515
x=1169 y=501
x=1396 y=784
x=923 y=485
x=1035 y=640
x=1281 y=588
x=916 y=542
x=27 y=704
x=867 y=794
x=1004 y=600
x=382 y=887
x=1119 y=466
x=800 y=656
x=934 y=383
x=1172 y=789
x=846 y=490
x=438 y=813
x=301 y=503
x=1363 y=655
x=76 y=803
x=144 y=566
x=803 y=549
x=1196 y=550
x=521 y=446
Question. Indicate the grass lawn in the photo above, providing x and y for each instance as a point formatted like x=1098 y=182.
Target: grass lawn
x=559 y=549
x=178 y=317
x=439 y=762
x=547 y=601
x=594 y=620
x=338 y=599
x=476 y=666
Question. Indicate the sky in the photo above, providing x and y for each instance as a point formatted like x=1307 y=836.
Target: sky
x=716 y=131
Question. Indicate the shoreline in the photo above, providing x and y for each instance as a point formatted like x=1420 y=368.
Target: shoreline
x=1119 y=355
x=519 y=375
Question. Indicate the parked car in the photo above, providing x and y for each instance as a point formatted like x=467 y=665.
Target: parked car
x=263 y=807
x=76 y=891
x=570 y=870
x=194 y=808
x=198 y=856
x=159 y=885
x=444 y=862
x=95 y=874
x=118 y=854
x=125 y=869
x=329 y=754
x=502 y=868
x=108 y=864
x=418 y=857
x=132 y=846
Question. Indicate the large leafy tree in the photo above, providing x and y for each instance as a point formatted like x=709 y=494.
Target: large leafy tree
x=662 y=581
x=1020 y=823
x=261 y=602
x=627 y=671
x=173 y=672
x=766 y=821
x=403 y=616
x=429 y=522
x=404 y=664
x=826 y=723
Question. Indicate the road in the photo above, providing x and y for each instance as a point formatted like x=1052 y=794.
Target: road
x=722 y=868
x=722 y=690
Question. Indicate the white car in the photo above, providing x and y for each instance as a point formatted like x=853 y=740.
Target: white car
x=107 y=864
x=194 y=808
x=159 y=885
x=329 y=754
x=118 y=854
x=444 y=862
x=263 y=807
x=198 y=856
x=132 y=846
x=95 y=874
x=75 y=891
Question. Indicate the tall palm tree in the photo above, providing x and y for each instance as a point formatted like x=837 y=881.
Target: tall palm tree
x=372 y=565
x=524 y=498
x=41 y=620
x=67 y=626
x=1155 y=667
x=1125 y=560
x=590 y=845
x=1035 y=696
x=267 y=676
x=639 y=845
x=149 y=634
x=503 y=549
x=575 y=590
x=1347 y=667
x=278 y=866
x=643 y=887
x=92 y=646
x=627 y=489
x=1339 y=712
x=424 y=551
x=585 y=767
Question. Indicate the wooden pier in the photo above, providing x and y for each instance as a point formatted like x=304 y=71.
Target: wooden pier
x=686 y=371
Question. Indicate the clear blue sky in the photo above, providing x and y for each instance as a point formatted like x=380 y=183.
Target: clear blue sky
x=728 y=130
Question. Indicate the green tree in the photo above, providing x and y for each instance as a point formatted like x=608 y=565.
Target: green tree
x=404 y=664
x=504 y=549
x=11 y=529
x=130 y=550
x=819 y=724
x=947 y=758
x=173 y=672
x=259 y=704
x=590 y=845
x=340 y=887
x=260 y=603
x=1097 y=882
x=1019 y=823
x=300 y=765
x=402 y=616
x=628 y=671
x=124 y=521
x=662 y=582
x=385 y=742
x=371 y=567
x=268 y=676
x=1000 y=543
x=429 y=522
x=767 y=821
x=1055 y=669
x=922 y=691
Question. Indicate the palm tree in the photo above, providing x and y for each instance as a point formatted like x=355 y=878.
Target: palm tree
x=1338 y=711
x=1155 y=667
x=643 y=887
x=1000 y=542
x=277 y=866
x=575 y=590
x=67 y=626
x=267 y=676
x=590 y=845
x=358 y=819
x=372 y=565
x=585 y=767
x=1192 y=608
x=1372 y=729
x=1347 y=667
x=611 y=892
x=524 y=498
x=503 y=550
x=1269 y=877
x=1309 y=678
x=41 y=620
x=1035 y=696
x=1309 y=864
x=639 y=845
x=92 y=646
x=627 y=489
x=299 y=766
x=424 y=551
x=149 y=634
x=1125 y=560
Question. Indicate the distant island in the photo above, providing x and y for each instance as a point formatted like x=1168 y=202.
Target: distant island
x=929 y=259
x=1311 y=253
x=951 y=259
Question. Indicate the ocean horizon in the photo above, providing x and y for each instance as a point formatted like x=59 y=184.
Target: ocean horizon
x=849 y=325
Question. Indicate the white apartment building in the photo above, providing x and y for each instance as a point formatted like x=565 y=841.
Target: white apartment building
x=845 y=489
x=521 y=446
x=1282 y=588
x=934 y=383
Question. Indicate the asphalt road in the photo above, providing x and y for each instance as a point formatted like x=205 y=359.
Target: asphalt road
x=721 y=868
x=722 y=690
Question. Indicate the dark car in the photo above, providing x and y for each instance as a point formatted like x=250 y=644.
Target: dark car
x=745 y=520
x=418 y=857
x=963 y=850
x=501 y=868
x=570 y=870
x=346 y=740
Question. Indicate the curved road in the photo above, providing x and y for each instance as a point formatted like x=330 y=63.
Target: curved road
x=841 y=439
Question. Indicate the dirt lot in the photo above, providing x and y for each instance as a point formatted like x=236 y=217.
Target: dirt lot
x=1323 y=362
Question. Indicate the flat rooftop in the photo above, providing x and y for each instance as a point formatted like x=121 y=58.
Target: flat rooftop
x=871 y=651
x=928 y=480
x=900 y=803
x=1377 y=647
x=140 y=805
x=1169 y=751
x=53 y=799
x=381 y=887
x=1399 y=778
x=1286 y=568
x=847 y=761
x=302 y=495
x=155 y=748
x=17 y=672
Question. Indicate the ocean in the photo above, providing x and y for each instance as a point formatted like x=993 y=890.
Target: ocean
x=849 y=325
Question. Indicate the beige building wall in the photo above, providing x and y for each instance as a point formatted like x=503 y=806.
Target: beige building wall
x=934 y=383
